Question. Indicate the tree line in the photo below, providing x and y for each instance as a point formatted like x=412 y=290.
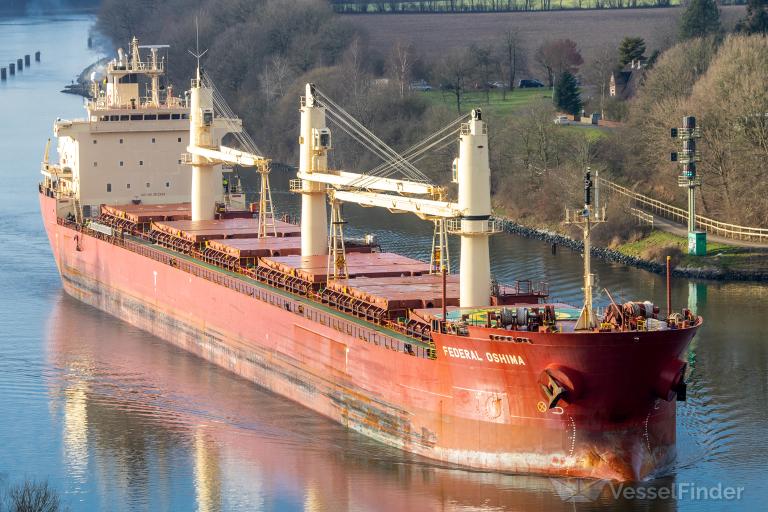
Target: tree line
x=469 y=6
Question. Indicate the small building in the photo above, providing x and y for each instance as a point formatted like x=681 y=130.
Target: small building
x=624 y=84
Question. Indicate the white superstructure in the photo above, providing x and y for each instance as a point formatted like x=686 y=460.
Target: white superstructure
x=128 y=147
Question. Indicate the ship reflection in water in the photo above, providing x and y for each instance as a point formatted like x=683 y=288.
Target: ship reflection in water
x=158 y=428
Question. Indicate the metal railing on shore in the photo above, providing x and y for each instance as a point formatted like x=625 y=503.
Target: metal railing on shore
x=674 y=213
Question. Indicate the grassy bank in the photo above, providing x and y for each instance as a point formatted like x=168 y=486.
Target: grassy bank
x=497 y=103
x=658 y=244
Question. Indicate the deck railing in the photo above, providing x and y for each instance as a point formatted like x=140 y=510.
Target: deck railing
x=677 y=214
x=303 y=306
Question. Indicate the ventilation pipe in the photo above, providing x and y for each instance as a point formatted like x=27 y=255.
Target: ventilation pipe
x=314 y=218
x=474 y=179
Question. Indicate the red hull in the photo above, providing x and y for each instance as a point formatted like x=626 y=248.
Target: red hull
x=479 y=404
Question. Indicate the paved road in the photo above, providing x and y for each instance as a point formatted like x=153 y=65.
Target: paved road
x=681 y=230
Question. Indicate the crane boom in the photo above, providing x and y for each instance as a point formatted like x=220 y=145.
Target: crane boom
x=362 y=181
x=424 y=208
x=227 y=155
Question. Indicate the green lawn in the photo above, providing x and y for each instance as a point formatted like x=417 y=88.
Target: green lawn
x=591 y=132
x=723 y=256
x=498 y=105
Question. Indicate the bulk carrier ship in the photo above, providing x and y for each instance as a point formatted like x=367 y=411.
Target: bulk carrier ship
x=453 y=367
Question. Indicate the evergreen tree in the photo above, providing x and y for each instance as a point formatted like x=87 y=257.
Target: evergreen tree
x=756 y=20
x=631 y=48
x=700 y=19
x=567 y=96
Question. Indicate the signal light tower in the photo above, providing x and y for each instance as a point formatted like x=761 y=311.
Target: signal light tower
x=689 y=134
x=585 y=218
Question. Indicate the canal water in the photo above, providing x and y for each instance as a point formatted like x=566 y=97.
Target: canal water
x=116 y=419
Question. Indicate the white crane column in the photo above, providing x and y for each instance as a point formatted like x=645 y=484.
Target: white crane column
x=474 y=179
x=205 y=179
x=314 y=218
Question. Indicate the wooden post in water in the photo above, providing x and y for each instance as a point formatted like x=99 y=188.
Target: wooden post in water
x=669 y=286
x=12 y=69
x=37 y=56
x=3 y=74
x=20 y=64
x=26 y=60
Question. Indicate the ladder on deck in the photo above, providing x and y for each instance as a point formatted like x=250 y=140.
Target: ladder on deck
x=78 y=211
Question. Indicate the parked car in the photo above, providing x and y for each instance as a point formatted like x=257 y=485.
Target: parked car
x=420 y=85
x=496 y=85
x=561 y=120
x=523 y=84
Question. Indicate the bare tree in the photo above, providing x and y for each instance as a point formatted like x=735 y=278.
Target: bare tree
x=513 y=58
x=599 y=74
x=556 y=57
x=275 y=77
x=455 y=69
x=400 y=64
x=485 y=62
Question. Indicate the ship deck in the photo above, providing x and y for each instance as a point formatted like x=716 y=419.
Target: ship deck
x=314 y=269
x=401 y=292
x=144 y=213
x=197 y=231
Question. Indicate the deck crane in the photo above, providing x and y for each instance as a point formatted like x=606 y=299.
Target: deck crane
x=205 y=152
x=470 y=217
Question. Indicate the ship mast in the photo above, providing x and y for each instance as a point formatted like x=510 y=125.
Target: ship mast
x=205 y=151
x=585 y=219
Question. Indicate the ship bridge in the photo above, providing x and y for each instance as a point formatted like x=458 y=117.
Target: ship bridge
x=127 y=148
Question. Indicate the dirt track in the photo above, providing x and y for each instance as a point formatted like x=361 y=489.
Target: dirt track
x=434 y=34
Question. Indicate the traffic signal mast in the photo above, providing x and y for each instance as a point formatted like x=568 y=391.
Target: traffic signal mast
x=687 y=157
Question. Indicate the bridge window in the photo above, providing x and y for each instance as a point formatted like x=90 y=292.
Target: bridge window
x=167 y=184
x=141 y=162
x=128 y=186
x=164 y=116
x=179 y=139
x=121 y=141
x=109 y=187
x=94 y=141
x=95 y=164
x=175 y=116
x=121 y=163
x=136 y=117
x=147 y=184
x=153 y=140
x=124 y=117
